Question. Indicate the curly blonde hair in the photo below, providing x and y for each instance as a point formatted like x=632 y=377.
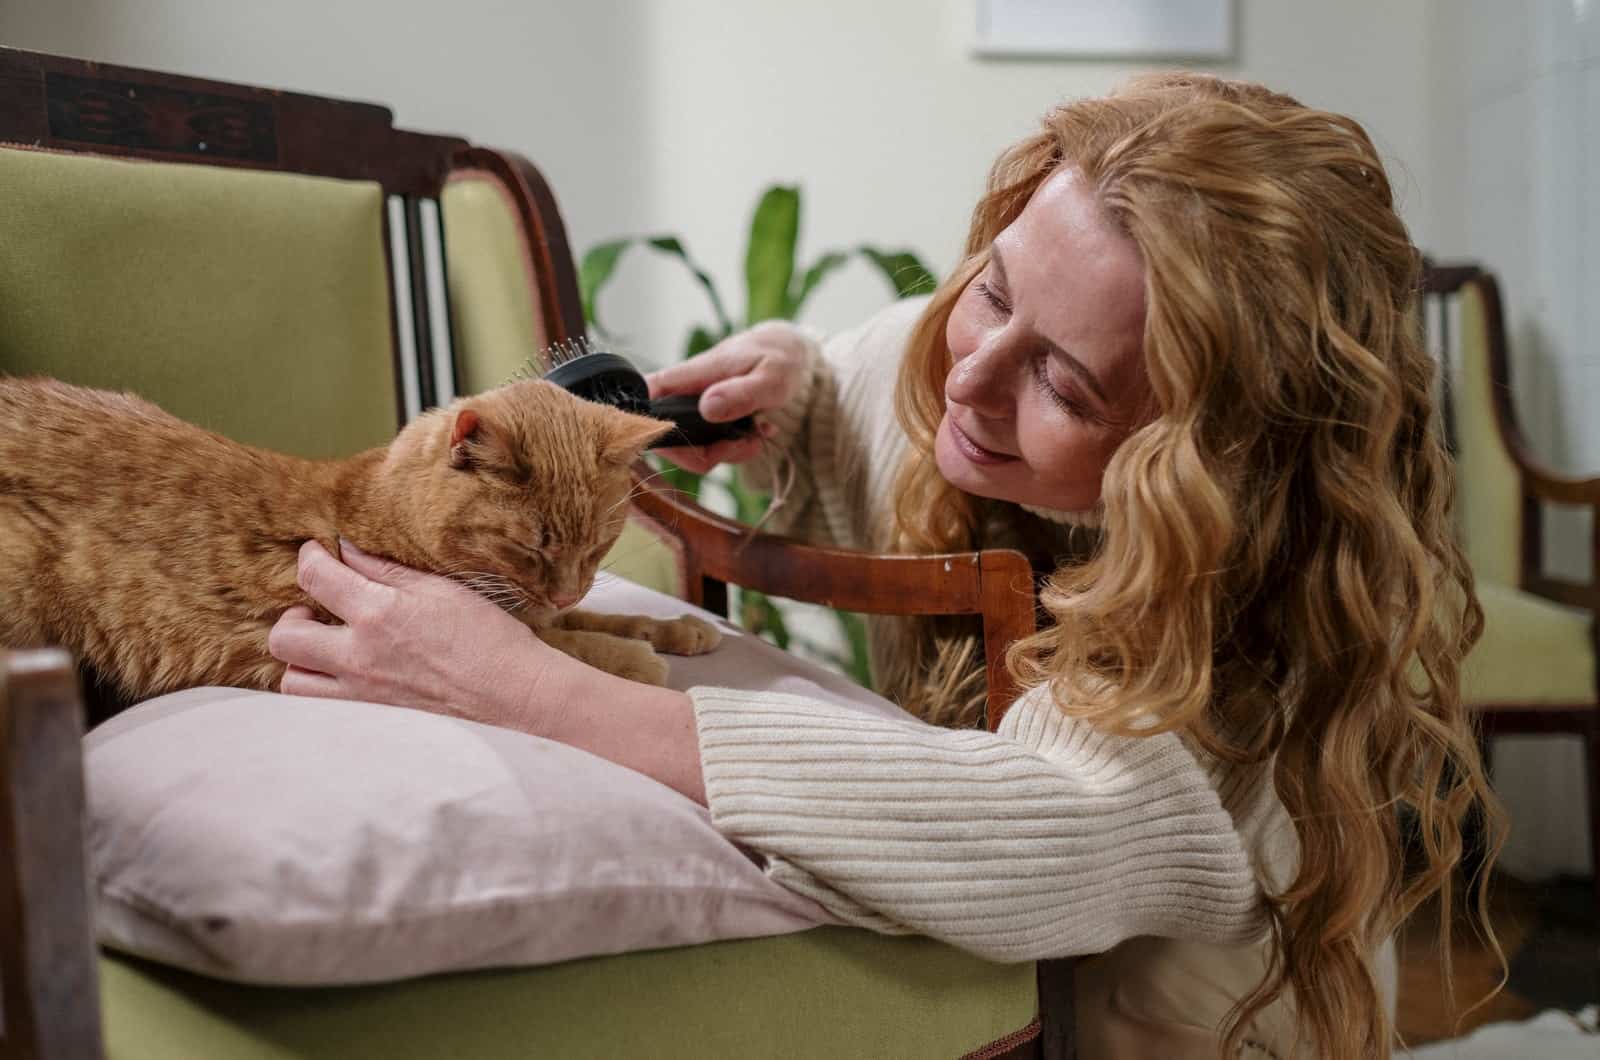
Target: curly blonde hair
x=1277 y=575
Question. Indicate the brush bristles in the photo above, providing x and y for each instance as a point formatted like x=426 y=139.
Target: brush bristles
x=552 y=356
x=571 y=350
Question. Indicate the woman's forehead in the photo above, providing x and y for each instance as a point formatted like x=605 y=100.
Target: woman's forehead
x=1076 y=279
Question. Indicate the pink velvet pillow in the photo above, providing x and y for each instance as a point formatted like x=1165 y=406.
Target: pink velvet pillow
x=273 y=839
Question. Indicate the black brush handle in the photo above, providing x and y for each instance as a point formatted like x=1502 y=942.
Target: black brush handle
x=693 y=428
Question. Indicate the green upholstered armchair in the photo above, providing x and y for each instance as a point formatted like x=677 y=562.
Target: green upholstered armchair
x=1534 y=669
x=296 y=273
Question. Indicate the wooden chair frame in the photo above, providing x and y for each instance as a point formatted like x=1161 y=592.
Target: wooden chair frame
x=51 y=103
x=1539 y=486
x=996 y=584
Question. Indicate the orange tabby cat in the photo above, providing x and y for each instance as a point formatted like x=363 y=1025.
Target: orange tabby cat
x=162 y=553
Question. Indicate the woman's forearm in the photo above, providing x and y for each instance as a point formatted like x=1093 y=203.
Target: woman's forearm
x=647 y=729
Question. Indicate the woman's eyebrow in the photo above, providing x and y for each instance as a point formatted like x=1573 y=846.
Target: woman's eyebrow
x=1073 y=364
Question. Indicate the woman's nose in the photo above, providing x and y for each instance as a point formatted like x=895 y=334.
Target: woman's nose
x=982 y=381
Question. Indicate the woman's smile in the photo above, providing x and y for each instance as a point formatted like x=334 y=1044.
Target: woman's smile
x=972 y=450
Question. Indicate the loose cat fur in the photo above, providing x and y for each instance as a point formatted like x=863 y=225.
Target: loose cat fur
x=162 y=553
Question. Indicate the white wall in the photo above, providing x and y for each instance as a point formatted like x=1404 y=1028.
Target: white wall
x=1516 y=91
x=881 y=114
x=672 y=115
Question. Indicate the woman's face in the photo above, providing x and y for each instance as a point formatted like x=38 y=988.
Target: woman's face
x=1048 y=373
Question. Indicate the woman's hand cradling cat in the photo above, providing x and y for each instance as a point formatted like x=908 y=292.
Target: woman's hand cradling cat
x=409 y=638
x=419 y=640
x=752 y=372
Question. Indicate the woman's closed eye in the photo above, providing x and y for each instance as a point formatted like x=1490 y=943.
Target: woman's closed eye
x=992 y=295
x=1065 y=397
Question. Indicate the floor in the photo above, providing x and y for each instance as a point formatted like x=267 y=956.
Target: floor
x=1551 y=940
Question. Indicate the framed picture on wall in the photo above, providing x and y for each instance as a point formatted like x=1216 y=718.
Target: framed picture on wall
x=1104 y=29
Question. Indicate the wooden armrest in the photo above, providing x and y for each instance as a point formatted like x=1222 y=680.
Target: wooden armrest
x=47 y=956
x=994 y=583
x=1550 y=486
x=1537 y=479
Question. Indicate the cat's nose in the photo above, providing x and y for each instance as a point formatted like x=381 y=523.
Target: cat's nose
x=561 y=603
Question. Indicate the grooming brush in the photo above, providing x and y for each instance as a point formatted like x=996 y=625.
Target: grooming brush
x=608 y=378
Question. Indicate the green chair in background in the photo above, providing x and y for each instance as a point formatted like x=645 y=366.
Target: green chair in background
x=1534 y=670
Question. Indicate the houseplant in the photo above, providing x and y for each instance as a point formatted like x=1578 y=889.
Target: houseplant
x=775 y=288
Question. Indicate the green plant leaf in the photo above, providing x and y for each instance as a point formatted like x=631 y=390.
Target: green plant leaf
x=749 y=504
x=813 y=276
x=902 y=269
x=700 y=340
x=598 y=265
x=674 y=246
x=769 y=258
x=760 y=615
x=855 y=634
x=675 y=476
x=683 y=480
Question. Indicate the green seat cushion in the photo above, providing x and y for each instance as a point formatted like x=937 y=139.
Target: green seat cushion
x=255 y=304
x=829 y=992
x=1532 y=652
x=494 y=311
x=644 y=559
x=1489 y=510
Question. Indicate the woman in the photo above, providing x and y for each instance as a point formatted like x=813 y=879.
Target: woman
x=1184 y=319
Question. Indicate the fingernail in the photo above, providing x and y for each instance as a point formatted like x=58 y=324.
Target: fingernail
x=346 y=546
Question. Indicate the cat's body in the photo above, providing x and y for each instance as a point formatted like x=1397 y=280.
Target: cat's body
x=162 y=554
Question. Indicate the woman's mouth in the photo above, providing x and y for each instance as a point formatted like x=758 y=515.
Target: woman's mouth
x=972 y=450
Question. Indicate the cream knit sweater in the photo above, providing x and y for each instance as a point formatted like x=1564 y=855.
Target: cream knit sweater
x=1045 y=839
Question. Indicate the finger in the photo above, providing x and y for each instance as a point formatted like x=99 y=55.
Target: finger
x=735 y=451
x=689 y=458
x=344 y=592
x=298 y=682
x=697 y=373
x=300 y=611
x=375 y=568
x=310 y=645
x=742 y=395
x=701 y=459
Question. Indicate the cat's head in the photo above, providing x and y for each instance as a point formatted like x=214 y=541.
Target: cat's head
x=521 y=490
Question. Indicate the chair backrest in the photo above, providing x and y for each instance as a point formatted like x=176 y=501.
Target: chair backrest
x=995 y=584
x=288 y=270
x=1466 y=330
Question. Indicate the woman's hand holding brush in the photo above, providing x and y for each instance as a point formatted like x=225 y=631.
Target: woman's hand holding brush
x=749 y=373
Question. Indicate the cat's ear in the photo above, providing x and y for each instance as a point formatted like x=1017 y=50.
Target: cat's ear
x=625 y=436
x=465 y=431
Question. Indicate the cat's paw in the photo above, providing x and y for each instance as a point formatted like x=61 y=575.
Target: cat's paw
x=686 y=635
x=636 y=660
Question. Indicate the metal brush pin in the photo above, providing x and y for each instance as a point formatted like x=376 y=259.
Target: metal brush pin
x=581 y=369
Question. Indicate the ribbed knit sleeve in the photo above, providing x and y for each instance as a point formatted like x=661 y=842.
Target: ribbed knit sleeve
x=836 y=443
x=1045 y=839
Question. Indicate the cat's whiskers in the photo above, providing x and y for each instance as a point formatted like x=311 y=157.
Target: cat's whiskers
x=637 y=489
x=496 y=588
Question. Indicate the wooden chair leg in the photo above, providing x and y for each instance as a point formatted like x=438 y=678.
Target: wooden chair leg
x=48 y=972
x=1057 y=1010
